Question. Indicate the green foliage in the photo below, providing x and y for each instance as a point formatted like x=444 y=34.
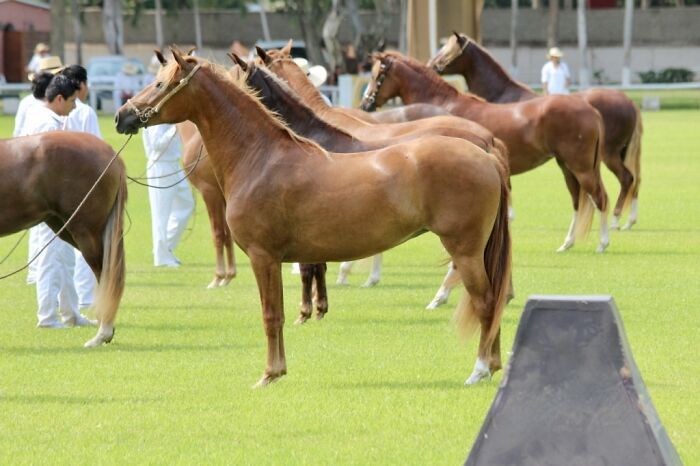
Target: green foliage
x=668 y=75
x=379 y=380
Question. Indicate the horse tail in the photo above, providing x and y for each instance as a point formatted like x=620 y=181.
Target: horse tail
x=497 y=262
x=631 y=160
x=500 y=150
x=111 y=283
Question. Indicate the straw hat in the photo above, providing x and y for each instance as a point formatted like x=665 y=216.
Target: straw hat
x=50 y=64
x=129 y=69
x=555 y=52
x=41 y=47
x=316 y=74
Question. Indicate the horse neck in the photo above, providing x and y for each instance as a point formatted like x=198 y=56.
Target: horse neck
x=230 y=121
x=417 y=87
x=301 y=119
x=307 y=91
x=486 y=77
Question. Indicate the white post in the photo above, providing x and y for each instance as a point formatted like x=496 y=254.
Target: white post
x=627 y=43
x=263 y=21
x=432 y=26
x=584 y=67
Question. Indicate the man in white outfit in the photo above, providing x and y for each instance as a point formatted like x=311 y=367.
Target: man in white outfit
x=56 y=295
x=171 y=207
x=556 y=78
x=83 y=118
x=48 y=67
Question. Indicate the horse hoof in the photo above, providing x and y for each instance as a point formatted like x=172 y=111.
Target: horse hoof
x=99 y=339
x=214 y=284
x=301 y=319
x=320 y=315
x=477 y=377
x=435 y=303
x=343 y=281
x=602 y=247
x=266 y=380
x=565 y=247
x=628 y=225
x=370 y=283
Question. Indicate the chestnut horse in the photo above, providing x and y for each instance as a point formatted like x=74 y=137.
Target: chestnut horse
x=45 y=177
x=281 y=63
x=282 y=100
x=288 y=200
x=534 y=131
x=621 y=117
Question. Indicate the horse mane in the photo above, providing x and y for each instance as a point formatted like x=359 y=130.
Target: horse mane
x=293 y=95
x=239 y=81
x=307 y=91
x=494 y=65
x=434 y=79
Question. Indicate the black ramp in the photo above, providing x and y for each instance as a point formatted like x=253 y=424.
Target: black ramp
x=572 y=394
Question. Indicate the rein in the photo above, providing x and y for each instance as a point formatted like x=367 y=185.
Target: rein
x=148 y=112
x=77 y=209
x=190 y=169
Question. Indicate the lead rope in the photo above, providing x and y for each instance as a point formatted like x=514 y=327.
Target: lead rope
x=77 y=209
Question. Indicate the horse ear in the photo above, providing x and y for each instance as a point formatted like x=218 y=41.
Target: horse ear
x=177 y=55
x=160 y=57
x=238 y=61
x=287 y=49
x=460 y=40
x=263 y=55
x=381 y=46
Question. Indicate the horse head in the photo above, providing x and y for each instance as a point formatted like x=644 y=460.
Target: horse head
x=164 y=100
x=381 y=87
x=443 y=61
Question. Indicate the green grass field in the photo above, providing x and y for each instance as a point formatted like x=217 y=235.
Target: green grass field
x=379 y=381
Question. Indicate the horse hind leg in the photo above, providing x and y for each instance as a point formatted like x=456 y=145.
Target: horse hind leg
x=345 y=268
x=592 y=185
x=375 y=273
x=307 y=277
x=230 y=258
x=626 y=179
x=451 y=280
x=321 y=292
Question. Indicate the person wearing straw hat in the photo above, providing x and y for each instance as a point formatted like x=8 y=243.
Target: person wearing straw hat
x=126 y=84
x=556 y=78
x=41 y=50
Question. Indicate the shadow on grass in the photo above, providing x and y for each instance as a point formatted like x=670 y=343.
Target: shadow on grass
x=121 y=348
x=72 y=400
x=447 y=384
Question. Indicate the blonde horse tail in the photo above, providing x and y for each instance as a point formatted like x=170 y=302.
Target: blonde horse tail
x=632 y=160
x=497 y=262
x=111 y=283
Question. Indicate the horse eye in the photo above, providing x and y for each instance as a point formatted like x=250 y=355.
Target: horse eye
x=159 y=85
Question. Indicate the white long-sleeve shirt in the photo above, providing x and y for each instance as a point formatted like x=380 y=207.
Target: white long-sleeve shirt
x=162 y=143
x=83 y=118
x=41 y=119
x=555 y=78
x=25 y=104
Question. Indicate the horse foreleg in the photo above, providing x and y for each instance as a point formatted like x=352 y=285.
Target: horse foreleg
x=451 y=280
x=376 y=273
x=217 y=224
x=574 y=188
x=268 y=274
x=307 y=277
x=321 y=290
x=625 y=178
x=632 y=219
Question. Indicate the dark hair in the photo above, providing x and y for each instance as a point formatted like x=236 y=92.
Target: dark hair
x=75 y=72
x=61 y=85
x=40 y=83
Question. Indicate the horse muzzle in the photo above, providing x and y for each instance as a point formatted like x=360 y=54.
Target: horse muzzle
x=368 y=104
x=127 y=122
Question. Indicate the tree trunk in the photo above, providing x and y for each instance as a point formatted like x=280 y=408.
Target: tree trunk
x=113 y=26
x=584 y=67
x=197 y=25
x=513 y=38
x=627 y=42
x=160 y=42
x=553 y=24
x=77 y=32
x=403 y=27
x=333 y=55
x=356 y=21
x=536 y=4
x=263 y=21
x=306 y=15
x=58 y=33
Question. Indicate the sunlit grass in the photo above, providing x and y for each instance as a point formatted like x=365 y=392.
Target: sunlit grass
x=379 y=381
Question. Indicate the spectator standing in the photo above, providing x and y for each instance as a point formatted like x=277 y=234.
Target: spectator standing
x=126 y=84
x=171 y=207
x=556 y=78
x=83 y=118
x=56 y=295
x=41 y=50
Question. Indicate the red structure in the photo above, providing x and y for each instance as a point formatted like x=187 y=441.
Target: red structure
x=23 y=24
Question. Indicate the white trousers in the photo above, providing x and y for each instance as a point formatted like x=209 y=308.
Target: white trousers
x=171 y=209
x=55 y=290
x=84 y=280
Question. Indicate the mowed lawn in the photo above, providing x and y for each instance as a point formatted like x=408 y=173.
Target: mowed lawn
x=379 y=380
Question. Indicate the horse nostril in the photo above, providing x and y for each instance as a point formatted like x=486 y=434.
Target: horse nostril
x=116 y=118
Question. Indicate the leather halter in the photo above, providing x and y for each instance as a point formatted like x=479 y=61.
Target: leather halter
x=148 y=112
x=379 y=80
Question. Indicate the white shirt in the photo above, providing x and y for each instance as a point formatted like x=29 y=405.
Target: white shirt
x=25 y=104
x=555 y=77
x=33 y=65
x=40 y=119
x=162 y=143
x=83 y=118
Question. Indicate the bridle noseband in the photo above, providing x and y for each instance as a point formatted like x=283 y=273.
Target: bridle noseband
x=379 y=80
x=148 y=112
